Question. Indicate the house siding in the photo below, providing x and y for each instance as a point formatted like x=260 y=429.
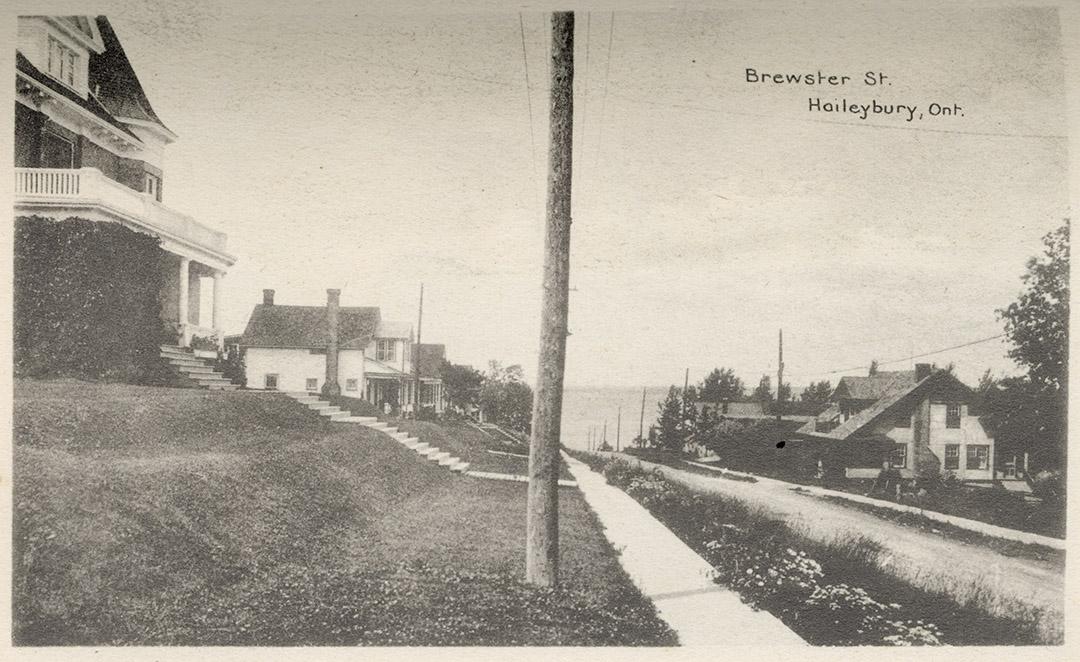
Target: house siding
x=295 y=366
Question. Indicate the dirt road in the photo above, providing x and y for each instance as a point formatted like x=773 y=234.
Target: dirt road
x=926 y=559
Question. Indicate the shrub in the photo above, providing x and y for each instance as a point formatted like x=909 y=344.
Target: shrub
x=86 y=301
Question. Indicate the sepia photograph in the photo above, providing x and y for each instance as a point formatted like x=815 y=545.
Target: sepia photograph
x=722 y=326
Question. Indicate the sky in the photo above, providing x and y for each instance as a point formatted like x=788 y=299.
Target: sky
x=373 y=152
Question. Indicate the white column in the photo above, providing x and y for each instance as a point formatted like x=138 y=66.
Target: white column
x=182 y=302
x=218 y=292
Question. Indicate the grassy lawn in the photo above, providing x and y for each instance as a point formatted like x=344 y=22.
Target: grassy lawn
x=180 y=517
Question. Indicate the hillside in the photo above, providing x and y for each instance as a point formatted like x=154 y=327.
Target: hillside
x=177 y=517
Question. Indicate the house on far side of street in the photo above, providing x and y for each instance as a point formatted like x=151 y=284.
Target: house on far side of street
x=299 y=349
x=917 y=422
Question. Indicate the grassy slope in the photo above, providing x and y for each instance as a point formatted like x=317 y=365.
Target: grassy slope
x=165 y=516
x=471 y=445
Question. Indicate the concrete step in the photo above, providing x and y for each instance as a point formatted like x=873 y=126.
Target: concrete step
x=411 y=443
x=427 y=452
x=335 y=415
x=352 y=419
x=440 y=455
x=377 y=425
x=460 y=467
x=448 y=461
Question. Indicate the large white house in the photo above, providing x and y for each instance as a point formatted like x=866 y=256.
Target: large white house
x=923 y=417
x=301 y=349
x=88 y=144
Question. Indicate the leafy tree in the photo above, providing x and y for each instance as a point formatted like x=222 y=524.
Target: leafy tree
x=1037 y=323
x=817 y=392
x=763 y=392
x=505 y=397
x=689 y=410
x=462 y=385
x=670 y=421
x=873 y=367
x=721 y=385
x=785 y=393
x=1029 y=413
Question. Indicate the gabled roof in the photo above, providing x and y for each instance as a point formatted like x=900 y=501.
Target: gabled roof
x=873 y=387
x=306 y=327
x=430 y=357
x=938 y=381
x=117 y=86
x=393 y=329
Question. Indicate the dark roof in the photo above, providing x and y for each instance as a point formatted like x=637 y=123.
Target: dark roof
x=305 y=326
x=430 y=358
x=943 y=383
x=873 y=387
x=120 y=90
x=90 y=104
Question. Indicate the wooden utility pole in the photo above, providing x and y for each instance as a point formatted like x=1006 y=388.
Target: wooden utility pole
x=780 y=381
x=641 y=421
x=542 y=517
x=416 y=356
x=618 y=428
x=603 y=441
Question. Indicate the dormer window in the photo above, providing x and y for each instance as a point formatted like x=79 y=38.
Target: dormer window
x=63 y=61
x=384 y=350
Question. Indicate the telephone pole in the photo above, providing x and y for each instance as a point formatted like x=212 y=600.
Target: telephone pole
x=780 y=380
x=641 y=421
x=416 y=357
x=618 y=428
x=542 y=514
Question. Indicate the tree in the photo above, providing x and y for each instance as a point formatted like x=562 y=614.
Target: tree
x=1037 y=323
x=721 y=385
x=1029 y=413
x=669 y=421
x=873 y=367
x=505 y=397
x=462 y=385
x=785 y=393
x=763 y=392
x=817 y=392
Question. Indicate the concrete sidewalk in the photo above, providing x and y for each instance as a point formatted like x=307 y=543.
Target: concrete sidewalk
x=673 y=576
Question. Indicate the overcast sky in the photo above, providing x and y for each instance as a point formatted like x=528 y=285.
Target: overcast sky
x=373 y=152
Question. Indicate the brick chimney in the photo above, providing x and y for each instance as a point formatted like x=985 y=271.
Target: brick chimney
x=922 y=371
x=268 y=297
x=333 y=303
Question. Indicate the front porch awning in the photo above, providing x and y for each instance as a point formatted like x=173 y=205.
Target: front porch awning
x=378 y=370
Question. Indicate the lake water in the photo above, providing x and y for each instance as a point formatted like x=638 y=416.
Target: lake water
x=585 y=408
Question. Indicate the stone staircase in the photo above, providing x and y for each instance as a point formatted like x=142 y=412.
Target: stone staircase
x=195 y=369
x=425 y=450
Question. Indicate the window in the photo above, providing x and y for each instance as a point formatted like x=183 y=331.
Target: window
x=903 y=421
x=62 y=62
x=270 y=382
x=898 y=456
x=153 y=186
x=352 y=385
x=384 y=349
x=952 y=415
x=978 y=457
x=952 y=456
x=427 y=394
x=312 y=384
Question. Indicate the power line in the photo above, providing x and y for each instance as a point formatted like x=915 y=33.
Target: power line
x=603 y=101
x=585 y=84
x=528 y=100
x=917 y=356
